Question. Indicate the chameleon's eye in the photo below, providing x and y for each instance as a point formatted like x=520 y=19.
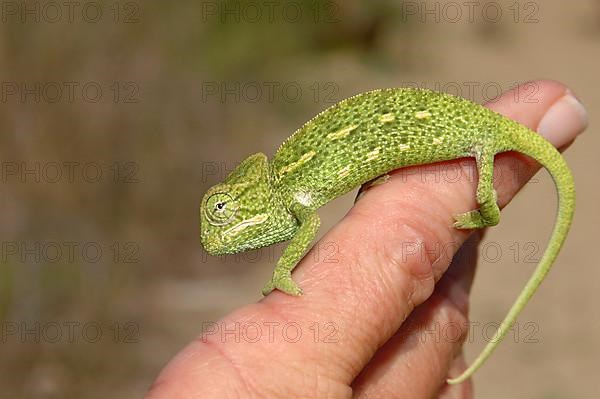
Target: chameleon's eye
x=220 y=209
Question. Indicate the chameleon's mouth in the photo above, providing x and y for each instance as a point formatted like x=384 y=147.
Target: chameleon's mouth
x=211 y=244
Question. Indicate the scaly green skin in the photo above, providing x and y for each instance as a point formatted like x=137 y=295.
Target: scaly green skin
x=354 y=141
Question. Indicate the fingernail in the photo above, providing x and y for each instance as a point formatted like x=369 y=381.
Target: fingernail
x=565 y=119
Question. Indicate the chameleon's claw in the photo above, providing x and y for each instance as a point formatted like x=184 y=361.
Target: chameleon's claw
x=282 y=282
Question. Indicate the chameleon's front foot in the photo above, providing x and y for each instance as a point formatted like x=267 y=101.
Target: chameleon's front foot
x=283 y=282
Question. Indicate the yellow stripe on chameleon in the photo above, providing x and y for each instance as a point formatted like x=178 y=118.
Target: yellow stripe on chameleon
x=345 y=171
x=422 y=114
x=294 y=165
x=386 y=118
x=341 y=133
x=373 y=155
x=258 y=219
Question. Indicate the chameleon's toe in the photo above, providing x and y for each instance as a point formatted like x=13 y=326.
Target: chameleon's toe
x=282 y=282
x=469 y=220
x=270 y=286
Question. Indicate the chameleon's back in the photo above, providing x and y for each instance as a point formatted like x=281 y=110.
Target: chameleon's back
x=371 y=133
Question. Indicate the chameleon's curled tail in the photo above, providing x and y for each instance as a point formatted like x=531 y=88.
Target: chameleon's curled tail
x=533 y=145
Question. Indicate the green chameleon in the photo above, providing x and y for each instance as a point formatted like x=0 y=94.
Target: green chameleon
x=354 y=141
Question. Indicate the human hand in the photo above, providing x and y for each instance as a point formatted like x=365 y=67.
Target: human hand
x=358 y=328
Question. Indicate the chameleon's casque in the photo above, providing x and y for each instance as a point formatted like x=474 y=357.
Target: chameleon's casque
x=356 y=140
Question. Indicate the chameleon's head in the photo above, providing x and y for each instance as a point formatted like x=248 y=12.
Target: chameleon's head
x=243 y=212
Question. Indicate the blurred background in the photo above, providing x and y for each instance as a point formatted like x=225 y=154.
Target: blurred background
x=115 y=117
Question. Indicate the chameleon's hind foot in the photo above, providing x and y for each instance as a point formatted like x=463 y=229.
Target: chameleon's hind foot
x=282 y=282
x=469 y=220
x=475 y=220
